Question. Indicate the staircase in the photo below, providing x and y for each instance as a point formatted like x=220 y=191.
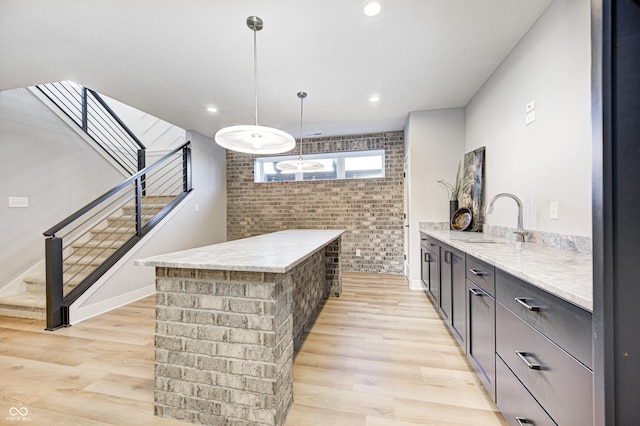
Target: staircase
x=85 y=256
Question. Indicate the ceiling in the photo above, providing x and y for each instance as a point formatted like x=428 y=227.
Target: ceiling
x=173 y=59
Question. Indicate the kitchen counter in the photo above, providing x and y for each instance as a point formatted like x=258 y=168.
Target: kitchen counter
x=566 y=274
x=277 y=252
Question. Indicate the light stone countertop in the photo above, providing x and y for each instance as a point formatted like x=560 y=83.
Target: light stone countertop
x=277 y=252
x=564 y=273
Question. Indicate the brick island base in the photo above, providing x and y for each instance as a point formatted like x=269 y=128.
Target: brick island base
x=225 y=339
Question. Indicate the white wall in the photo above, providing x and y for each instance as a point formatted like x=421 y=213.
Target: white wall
x=549 y=160
x=200 y=221
x=154 y=133
x=434 y=144
x=43 y=159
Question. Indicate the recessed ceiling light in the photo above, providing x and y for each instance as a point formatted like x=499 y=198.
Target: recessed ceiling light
x=374 y=99
x=212 y=109
x=372 y=8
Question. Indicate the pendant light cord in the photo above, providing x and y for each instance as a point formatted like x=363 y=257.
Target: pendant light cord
x=301 y=108
x=255 y=70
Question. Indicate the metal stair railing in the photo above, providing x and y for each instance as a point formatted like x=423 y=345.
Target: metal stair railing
x=82 y=247
x=95 y=117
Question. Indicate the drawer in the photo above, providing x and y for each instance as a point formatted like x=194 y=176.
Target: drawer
x=482 y=274
x=561 y=384
x=515 y=401
x=431 y=243
x=568 y=325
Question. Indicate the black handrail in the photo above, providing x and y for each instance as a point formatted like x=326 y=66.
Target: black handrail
x=98 y=120
x=115 y=117
x=73 y=217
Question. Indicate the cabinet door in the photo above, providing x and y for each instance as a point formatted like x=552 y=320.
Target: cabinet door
x=424 y=265
x=445 y=283
x=458 y=297
x=434 y=274
x=481 y=338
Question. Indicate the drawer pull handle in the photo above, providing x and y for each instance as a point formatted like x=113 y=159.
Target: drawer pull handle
x=522 y=355
x=477 y=272
x=523 y=302
x=476 y=292
x=522 y=421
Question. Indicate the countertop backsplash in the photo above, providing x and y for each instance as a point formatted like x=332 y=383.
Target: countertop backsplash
x=434 y=226
x=565 y=242
x=562 y=241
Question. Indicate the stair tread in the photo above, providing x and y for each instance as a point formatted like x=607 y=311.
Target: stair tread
x=129 y=216
x=112 y=230
x=84 y=260
x=92 y=244
x=40 y=279
x=24 y=300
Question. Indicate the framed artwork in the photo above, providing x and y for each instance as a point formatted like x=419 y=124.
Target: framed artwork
x=472 y=197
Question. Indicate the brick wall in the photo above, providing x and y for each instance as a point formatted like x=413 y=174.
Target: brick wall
x=224 y=339
x=224 y=346
x=369 y=209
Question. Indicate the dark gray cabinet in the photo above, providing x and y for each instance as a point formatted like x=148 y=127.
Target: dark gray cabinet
x=519 y=407
x=567 y=325
x=535 y=331
x=430 y=267
x=445 y=283
x=481 y=330
x=453 y=291
x=531 y=350
x=424 y=263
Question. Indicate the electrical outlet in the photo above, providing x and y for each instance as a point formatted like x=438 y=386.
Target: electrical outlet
x=19 y=202
x=197 y=207
x=358 y=252
x=553 y=210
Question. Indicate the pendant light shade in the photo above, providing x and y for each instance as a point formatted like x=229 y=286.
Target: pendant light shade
x=300 y=165
x=255 y=139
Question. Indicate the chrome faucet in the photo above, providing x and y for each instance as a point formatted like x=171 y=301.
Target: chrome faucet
x=521 y=233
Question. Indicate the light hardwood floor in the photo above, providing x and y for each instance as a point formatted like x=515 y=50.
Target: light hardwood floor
x=378 y=355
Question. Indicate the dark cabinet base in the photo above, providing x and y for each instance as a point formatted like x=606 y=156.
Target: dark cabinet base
x=516 y=403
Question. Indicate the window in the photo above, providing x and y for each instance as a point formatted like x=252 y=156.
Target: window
x=337 y=165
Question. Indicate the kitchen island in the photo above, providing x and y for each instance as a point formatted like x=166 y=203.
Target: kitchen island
x=227 y=318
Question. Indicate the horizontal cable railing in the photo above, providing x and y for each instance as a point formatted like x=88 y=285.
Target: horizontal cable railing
x=93 y=115
x=82 y=247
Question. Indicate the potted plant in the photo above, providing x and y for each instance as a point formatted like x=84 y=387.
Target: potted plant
x=456 y=189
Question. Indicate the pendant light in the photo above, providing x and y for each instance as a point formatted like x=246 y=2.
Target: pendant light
x=255 y=139
x=300 y=165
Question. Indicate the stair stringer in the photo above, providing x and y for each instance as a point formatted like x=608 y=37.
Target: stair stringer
x=123 y=271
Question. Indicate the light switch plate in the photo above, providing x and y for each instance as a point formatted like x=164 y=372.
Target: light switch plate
x=553 y=210
x=18 y=202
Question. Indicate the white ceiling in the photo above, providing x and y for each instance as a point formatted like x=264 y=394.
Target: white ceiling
x=173 y=59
